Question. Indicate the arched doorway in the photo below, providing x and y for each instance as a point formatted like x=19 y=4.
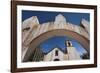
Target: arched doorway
x=56 y=60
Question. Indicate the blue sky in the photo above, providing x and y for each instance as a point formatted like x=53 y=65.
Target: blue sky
x=59 y=41
x=45 y=16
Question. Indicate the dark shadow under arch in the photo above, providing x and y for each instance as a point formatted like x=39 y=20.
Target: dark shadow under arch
x=56 y=60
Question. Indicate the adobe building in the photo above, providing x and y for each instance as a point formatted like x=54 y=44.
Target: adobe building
x=57 y=54
x=34 y=33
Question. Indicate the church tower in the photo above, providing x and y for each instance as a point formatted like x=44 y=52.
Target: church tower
x=72 y=52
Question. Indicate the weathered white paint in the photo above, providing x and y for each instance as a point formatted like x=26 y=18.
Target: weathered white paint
x=72 y=54
x=51 y=55
x=37 y=29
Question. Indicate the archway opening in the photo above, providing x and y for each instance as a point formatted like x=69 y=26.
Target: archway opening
x=48 y=45
x=56 y=60
x=58 y=32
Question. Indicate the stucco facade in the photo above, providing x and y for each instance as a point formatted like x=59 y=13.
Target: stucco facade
x=70 y=53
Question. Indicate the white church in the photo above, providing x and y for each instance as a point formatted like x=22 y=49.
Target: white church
x=57 y=54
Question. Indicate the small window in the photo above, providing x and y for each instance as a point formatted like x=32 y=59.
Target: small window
x=26 y=29
x=69 y=44
x=56 y=53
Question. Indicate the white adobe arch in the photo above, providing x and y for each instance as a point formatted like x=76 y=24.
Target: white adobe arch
x=47 y=30
x=58 y=32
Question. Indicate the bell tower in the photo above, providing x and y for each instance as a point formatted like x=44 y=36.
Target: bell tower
x=72 y=53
